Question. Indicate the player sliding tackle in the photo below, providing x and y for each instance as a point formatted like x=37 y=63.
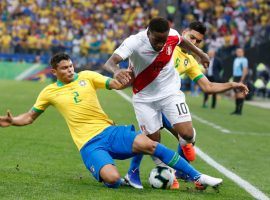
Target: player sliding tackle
x=95 y=135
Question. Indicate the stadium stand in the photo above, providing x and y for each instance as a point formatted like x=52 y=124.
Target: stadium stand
x=97 y=27
x=90 y=30
x=81 y=28
x=230 y=23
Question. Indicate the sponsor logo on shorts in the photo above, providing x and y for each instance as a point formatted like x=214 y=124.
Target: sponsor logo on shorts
x=92 y=169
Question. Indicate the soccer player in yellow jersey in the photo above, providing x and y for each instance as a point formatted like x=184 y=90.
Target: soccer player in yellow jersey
x=185 y=63
x=97 y=138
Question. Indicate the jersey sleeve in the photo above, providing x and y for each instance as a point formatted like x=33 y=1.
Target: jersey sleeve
x=175 y=32
x=245 y=62
x=127 y=47
x=98 y=80
x=194 y=72
x=176 y=58
x=42 y=102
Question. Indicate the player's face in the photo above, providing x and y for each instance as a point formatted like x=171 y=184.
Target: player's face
x=239 y=52
x=157 y=40
x=193 y=36
x=64 y=71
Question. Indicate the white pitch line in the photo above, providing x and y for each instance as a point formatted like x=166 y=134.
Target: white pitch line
x=26 y=72
x=249 y=133
x=252 y=190
x=223 y=130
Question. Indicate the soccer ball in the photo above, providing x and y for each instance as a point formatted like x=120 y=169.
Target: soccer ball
x=161 y=177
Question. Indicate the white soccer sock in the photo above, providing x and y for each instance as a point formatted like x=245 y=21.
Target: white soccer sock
x=158 y=162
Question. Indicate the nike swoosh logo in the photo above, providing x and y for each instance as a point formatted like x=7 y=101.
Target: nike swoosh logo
x=133 y=171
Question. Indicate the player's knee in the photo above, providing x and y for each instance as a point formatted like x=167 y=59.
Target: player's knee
x=115 y=184
x=112 y=179
x=148 y=146
x=187 y=136
x=185 y=130
x=155 y=136
x=151 y=147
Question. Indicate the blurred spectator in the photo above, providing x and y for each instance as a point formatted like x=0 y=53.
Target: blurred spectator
x=268 y=89
x=260 y=87
x=262 y=71
x=213 y=75
x=170 y=10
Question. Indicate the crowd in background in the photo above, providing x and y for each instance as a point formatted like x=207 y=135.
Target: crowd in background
x=94 y=28
x=97 y=27
x=91 y=30
x=230 y=23
x=262 y=82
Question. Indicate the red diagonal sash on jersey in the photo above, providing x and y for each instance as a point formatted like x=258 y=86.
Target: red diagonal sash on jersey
x=152 y=71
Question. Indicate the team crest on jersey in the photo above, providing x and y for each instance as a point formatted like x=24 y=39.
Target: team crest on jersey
x=186 y=62
x=169 y=50
x=82 y=83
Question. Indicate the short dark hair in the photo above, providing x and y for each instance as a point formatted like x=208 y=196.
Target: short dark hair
x=159 y=24
x=57 y=58
x=197 y=26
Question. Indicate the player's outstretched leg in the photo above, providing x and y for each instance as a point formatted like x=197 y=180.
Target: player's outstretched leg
x=133 y=175
x=180 y=174
x=172 y=159
x=187 y=146
x=180 y=130
x=175 y=161
x=110 y=176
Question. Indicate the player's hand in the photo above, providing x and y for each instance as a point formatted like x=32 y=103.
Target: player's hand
x=205 y=60
x=6 y=121
x=123 y=76
x=242 y=87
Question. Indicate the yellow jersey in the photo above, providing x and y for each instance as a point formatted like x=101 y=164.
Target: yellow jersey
x=78 y=104
x=186 y=64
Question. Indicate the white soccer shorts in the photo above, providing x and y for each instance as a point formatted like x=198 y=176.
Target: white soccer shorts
x=149 y=114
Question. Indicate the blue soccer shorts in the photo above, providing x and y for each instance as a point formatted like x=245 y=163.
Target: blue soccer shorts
x=115 y=142
x=165 y=122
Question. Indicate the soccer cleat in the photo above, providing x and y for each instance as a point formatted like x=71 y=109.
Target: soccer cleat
x=124 y=182
x=175 y=184
x=204 y=180
x=189 y=152
x=133 y=179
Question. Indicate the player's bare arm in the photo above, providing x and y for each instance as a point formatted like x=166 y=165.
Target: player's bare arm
x=20 y=120
x=212 y=87
x=186 y=44
x=122 y=75
x=245 y=73
x=115 y=84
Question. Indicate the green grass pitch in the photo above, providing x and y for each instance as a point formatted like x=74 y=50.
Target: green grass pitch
x=40 y=161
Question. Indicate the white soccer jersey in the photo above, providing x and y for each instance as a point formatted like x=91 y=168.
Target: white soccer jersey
x=155 y=75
